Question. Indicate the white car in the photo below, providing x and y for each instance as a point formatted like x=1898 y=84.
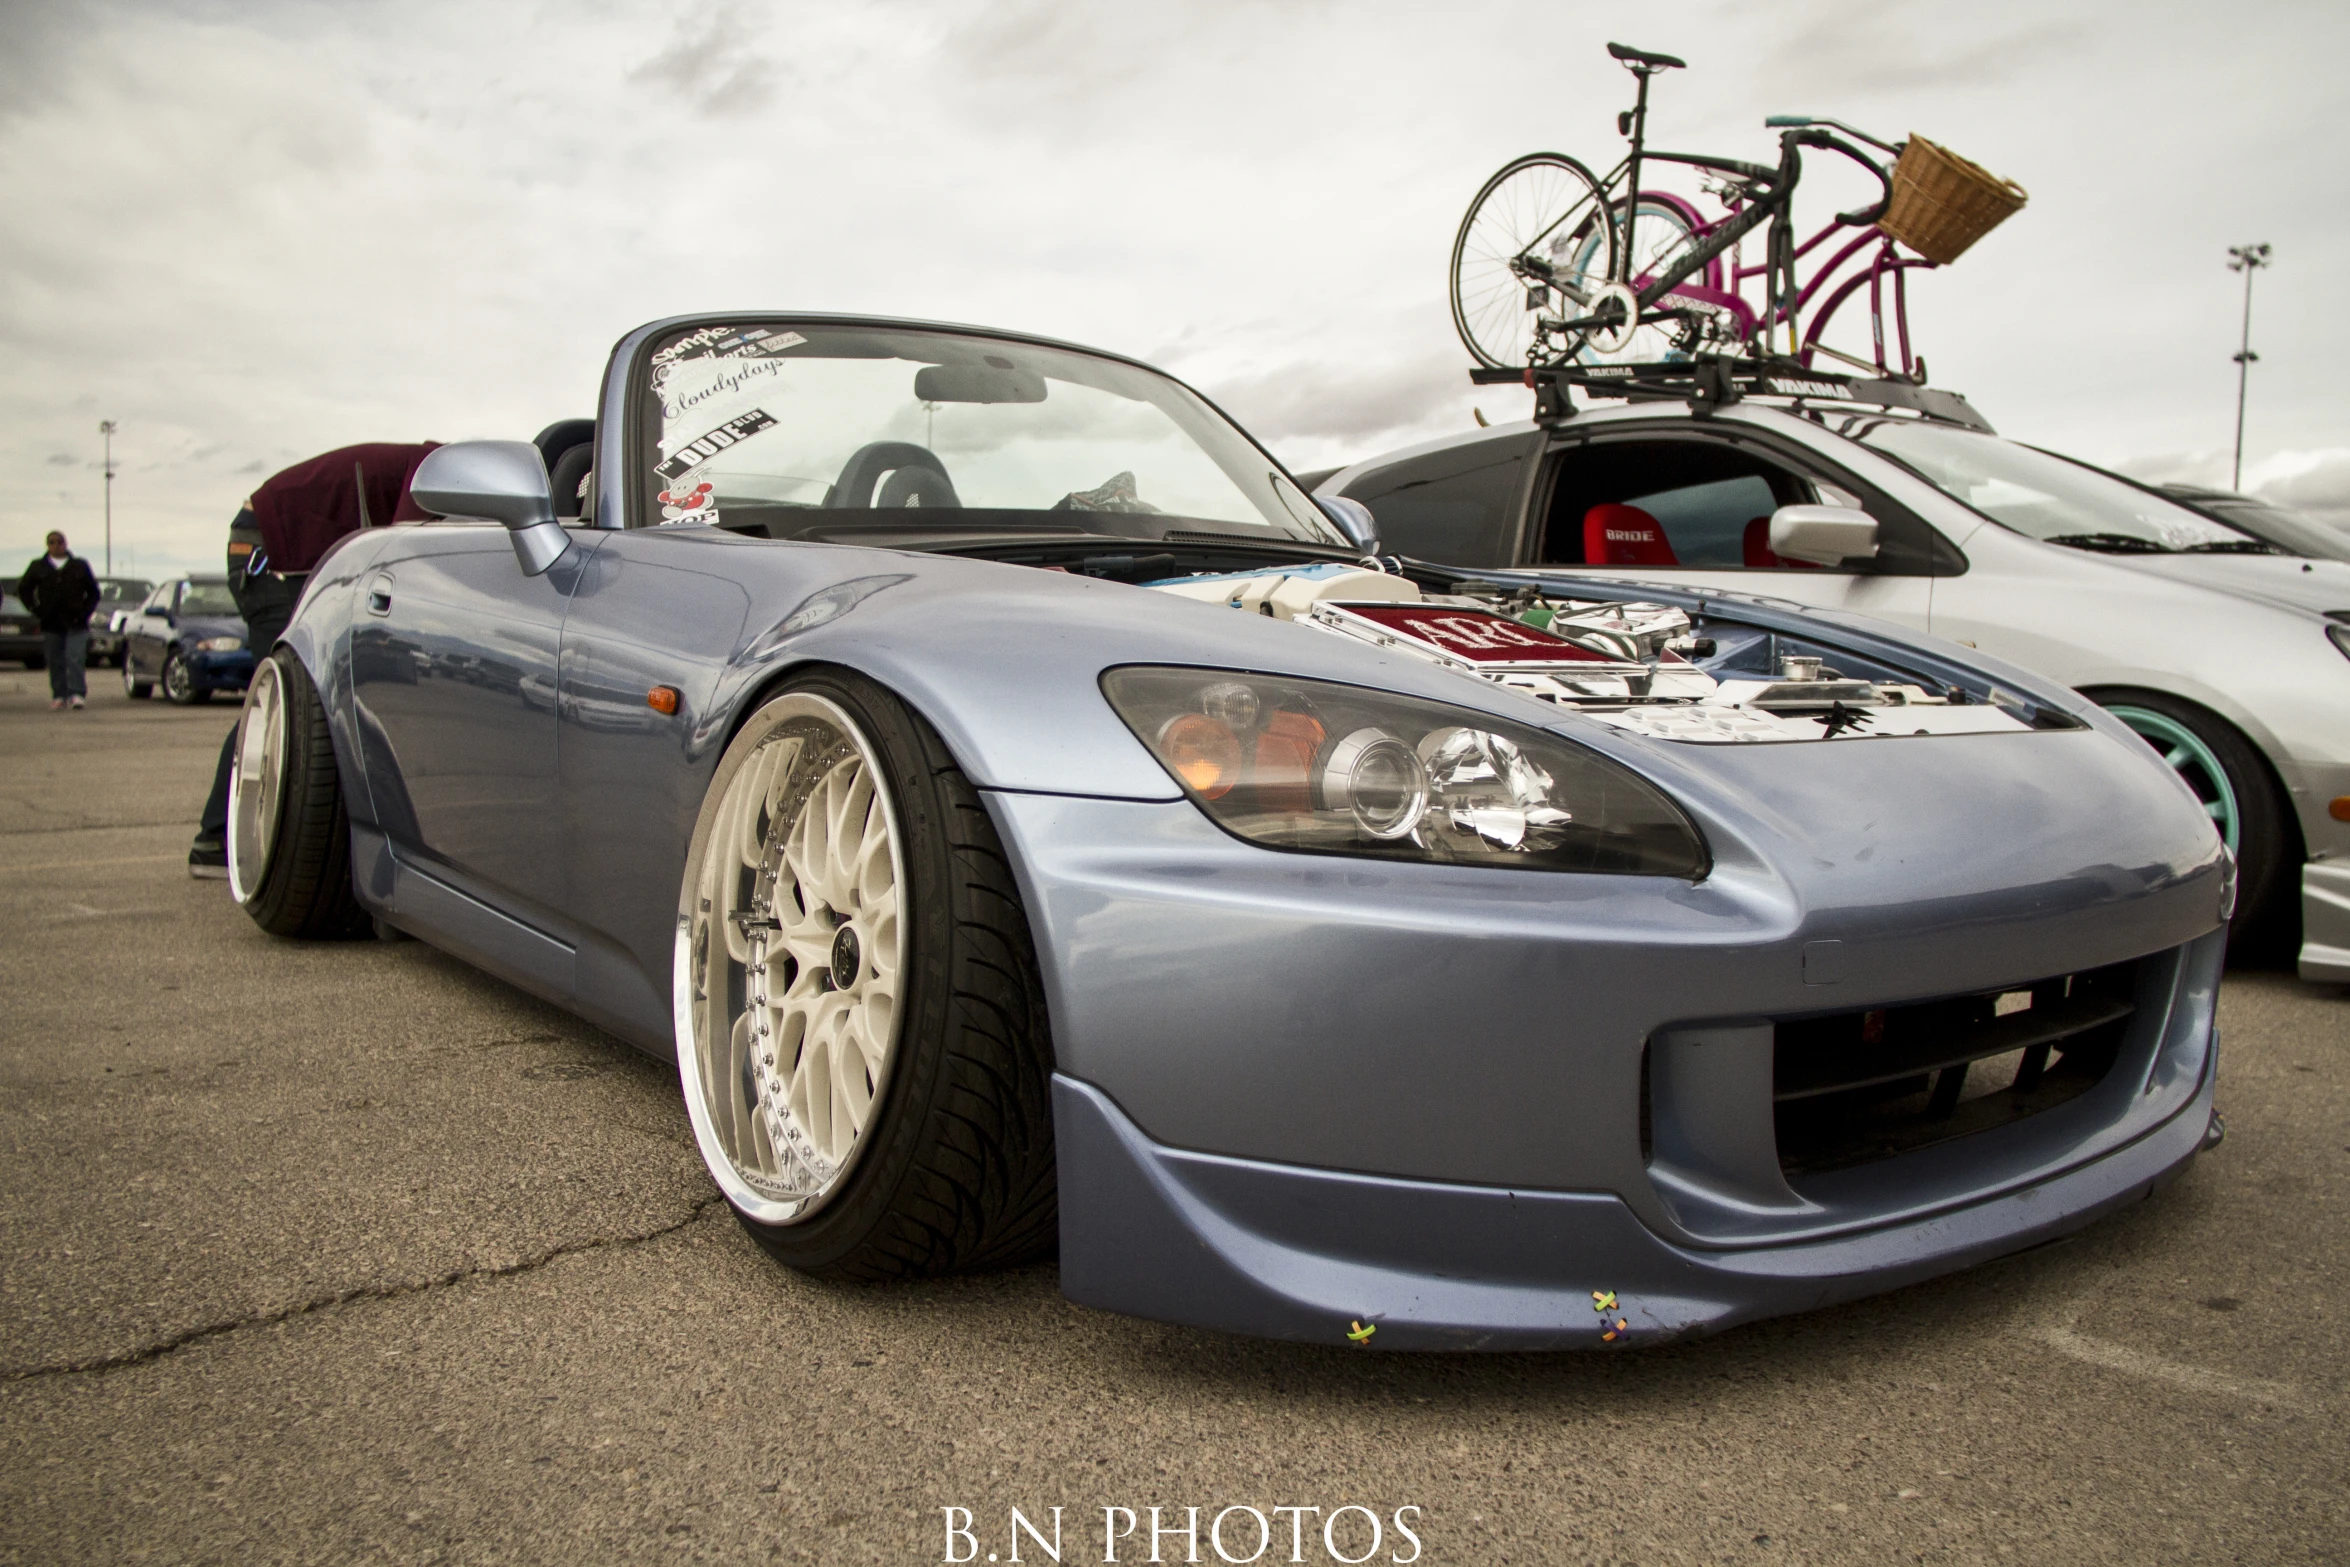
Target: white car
x=2230 y=657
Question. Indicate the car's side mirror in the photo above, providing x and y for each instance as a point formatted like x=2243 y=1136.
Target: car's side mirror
x=1354 y=519
x=1823 y=535
x=496 y=481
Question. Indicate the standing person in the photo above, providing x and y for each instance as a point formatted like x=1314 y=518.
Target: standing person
x=283 y=530
x=61 y=590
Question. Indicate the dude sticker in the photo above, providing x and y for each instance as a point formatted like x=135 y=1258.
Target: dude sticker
x=702 y=448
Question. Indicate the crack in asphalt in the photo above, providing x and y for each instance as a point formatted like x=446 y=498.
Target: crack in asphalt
x=101 y=1364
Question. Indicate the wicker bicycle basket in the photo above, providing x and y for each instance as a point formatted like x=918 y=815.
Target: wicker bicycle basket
x=1942 y=203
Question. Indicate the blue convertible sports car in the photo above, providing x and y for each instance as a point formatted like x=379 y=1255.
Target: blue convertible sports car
x=1025 y=816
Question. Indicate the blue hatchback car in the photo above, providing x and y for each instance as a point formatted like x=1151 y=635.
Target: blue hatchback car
x=188 y=638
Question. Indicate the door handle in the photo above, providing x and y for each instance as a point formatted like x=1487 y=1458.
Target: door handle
x=379 y=595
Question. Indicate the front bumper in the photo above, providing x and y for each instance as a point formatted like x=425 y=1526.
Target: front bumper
x=2325 y=921
x=221 y=671
x=1295 y=1092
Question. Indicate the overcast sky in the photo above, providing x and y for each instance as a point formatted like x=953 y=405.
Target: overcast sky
x=251 y=232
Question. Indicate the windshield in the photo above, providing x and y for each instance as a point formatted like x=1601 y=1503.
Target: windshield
x=208 y=598
x=2047 y=497
x=784 y=430
x=120 y=588
x=2287 y=529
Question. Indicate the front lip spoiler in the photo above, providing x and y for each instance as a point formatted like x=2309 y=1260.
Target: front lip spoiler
x=1284 y=1251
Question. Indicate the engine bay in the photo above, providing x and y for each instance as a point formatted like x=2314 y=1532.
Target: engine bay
x=1644 y=667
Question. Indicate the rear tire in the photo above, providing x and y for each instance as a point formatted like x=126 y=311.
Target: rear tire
x=930 y=1149
x=2246 y=804
x=1550 y=205
x=289 y=839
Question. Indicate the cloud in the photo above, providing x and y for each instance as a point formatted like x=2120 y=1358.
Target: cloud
x=709 y=67
x=1317 y=399
x=251 y=230
x=2316 y=482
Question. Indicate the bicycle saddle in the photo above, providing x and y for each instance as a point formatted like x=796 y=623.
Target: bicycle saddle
x=1655 y=62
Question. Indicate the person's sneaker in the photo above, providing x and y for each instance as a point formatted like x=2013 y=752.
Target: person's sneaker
x=75 y=702
x=208 y=859
x=57 y=706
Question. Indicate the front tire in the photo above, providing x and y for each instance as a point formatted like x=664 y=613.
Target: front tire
x=2246 y=805
x=179 y=682
x=289 y=839
x=132 y=686
x=861 y=1031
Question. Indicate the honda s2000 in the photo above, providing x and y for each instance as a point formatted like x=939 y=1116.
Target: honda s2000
x=1027 y=819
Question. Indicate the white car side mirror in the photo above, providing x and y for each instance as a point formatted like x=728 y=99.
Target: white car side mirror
x=1823 y=535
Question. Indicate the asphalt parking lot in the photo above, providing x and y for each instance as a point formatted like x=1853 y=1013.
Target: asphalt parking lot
x=344 y=1252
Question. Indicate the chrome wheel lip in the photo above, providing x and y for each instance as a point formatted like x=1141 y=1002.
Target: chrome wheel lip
x=693 y=1055
x=2179 y=746
x=256 y=780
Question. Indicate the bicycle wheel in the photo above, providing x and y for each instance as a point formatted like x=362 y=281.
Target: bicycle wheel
x=1660 y=234
x=1511 y=261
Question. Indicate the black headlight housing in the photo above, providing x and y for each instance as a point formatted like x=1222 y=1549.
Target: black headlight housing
x=1318 y=767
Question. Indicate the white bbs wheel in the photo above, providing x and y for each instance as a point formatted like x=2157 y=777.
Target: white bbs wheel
x=256 y=782
x=289 y=841
x=796 y=957
x=860 y=1030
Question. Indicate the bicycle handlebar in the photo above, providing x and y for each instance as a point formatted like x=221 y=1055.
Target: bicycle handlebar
x=1780 y=122
x=1817 y=135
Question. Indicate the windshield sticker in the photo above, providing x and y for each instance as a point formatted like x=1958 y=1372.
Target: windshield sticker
x=702 y=448
x=699 y=504
x=731 y=375
x=726 y=342
x=750 y=352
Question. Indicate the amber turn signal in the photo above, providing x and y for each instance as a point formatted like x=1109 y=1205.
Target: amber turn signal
x=662 y=699
x=1203 y=752
x=2340 y=809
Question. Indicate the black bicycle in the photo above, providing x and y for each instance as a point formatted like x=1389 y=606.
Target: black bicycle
x=1554 y=263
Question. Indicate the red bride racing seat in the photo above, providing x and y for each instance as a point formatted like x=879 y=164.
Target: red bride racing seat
x=1616 y=535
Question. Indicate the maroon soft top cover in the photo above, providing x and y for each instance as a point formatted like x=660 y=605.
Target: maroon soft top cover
x=307 y=507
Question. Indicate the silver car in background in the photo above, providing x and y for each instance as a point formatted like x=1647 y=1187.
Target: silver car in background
x=2229 y=655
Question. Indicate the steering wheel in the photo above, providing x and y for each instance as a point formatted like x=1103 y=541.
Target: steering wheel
x=916 y=478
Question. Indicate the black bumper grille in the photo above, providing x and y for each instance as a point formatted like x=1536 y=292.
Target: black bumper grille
x=1855 y=1087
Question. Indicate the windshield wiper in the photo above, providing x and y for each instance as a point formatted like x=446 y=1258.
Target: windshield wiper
x=2111 y=543
x=2234 y=547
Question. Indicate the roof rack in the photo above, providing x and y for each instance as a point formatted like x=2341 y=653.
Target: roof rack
x=1709 y=383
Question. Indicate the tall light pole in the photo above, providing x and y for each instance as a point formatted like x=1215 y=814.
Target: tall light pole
x=2246 y=259
x=106 y=429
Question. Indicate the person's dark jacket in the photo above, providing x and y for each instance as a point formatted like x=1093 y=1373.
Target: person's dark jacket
x=60 y=597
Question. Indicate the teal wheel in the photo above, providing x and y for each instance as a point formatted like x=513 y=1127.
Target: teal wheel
x=2195 y=763
x=2247 y=807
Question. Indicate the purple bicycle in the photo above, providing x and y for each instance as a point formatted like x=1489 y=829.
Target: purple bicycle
x=1555 y=265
